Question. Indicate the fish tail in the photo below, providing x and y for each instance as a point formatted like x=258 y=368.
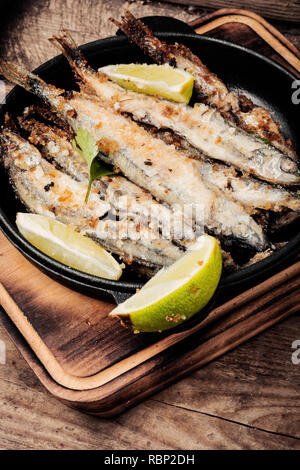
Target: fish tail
x=67 y=46
x=138 y=33
x=134 y=28
x=20 y=76
x=15 y=73
x=42 y=112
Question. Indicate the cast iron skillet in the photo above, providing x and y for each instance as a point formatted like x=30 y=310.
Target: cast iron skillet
x=259 y=78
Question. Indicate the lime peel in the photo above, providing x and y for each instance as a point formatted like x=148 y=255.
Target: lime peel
x=176 y=293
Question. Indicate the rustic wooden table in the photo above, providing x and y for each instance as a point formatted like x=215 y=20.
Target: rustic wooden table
x=248 y=399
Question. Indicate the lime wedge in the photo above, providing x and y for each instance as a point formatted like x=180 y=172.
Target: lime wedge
x=175 y=293
x=64 y=244
x=162 y=80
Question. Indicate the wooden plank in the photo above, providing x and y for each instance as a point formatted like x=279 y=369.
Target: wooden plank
x=239 y=22
x=229 y=384
x=31 y=421
x=9 y=444
x=152 y=376
x=16 y=370
x=261 y=24
x=24 y=36
x=257 y=384
x=276 y=9
x=83 y=349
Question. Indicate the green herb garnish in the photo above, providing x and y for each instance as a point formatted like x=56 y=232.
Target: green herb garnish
x=86 y=145
x=266 y=141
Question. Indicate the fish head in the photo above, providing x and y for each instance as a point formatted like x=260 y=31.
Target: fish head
x=276 y=167
x=17 y=152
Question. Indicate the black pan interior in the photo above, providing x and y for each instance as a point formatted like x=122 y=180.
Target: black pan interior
x=260 y=79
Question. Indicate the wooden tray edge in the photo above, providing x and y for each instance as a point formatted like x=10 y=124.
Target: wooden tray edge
x=271 y=35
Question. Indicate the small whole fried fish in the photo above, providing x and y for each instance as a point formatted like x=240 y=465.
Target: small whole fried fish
x=202 y=126
x=251 y=192
x=126 y=199
x=135 y=242
x=47 y=191
x=210 y=89
x=146 y=161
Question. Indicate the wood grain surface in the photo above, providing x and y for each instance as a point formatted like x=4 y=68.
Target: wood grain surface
x=275 y=9
x=249 y=29
x=248 y=399
x=91 y=363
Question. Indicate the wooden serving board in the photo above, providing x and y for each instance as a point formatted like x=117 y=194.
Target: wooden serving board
x=276 y=9
x=92 y=363
x=248 y=29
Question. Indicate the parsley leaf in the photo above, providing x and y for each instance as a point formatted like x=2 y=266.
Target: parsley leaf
x=86 y=145
x=266 y=141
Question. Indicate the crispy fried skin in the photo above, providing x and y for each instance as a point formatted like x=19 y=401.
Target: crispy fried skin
x=210 y=89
